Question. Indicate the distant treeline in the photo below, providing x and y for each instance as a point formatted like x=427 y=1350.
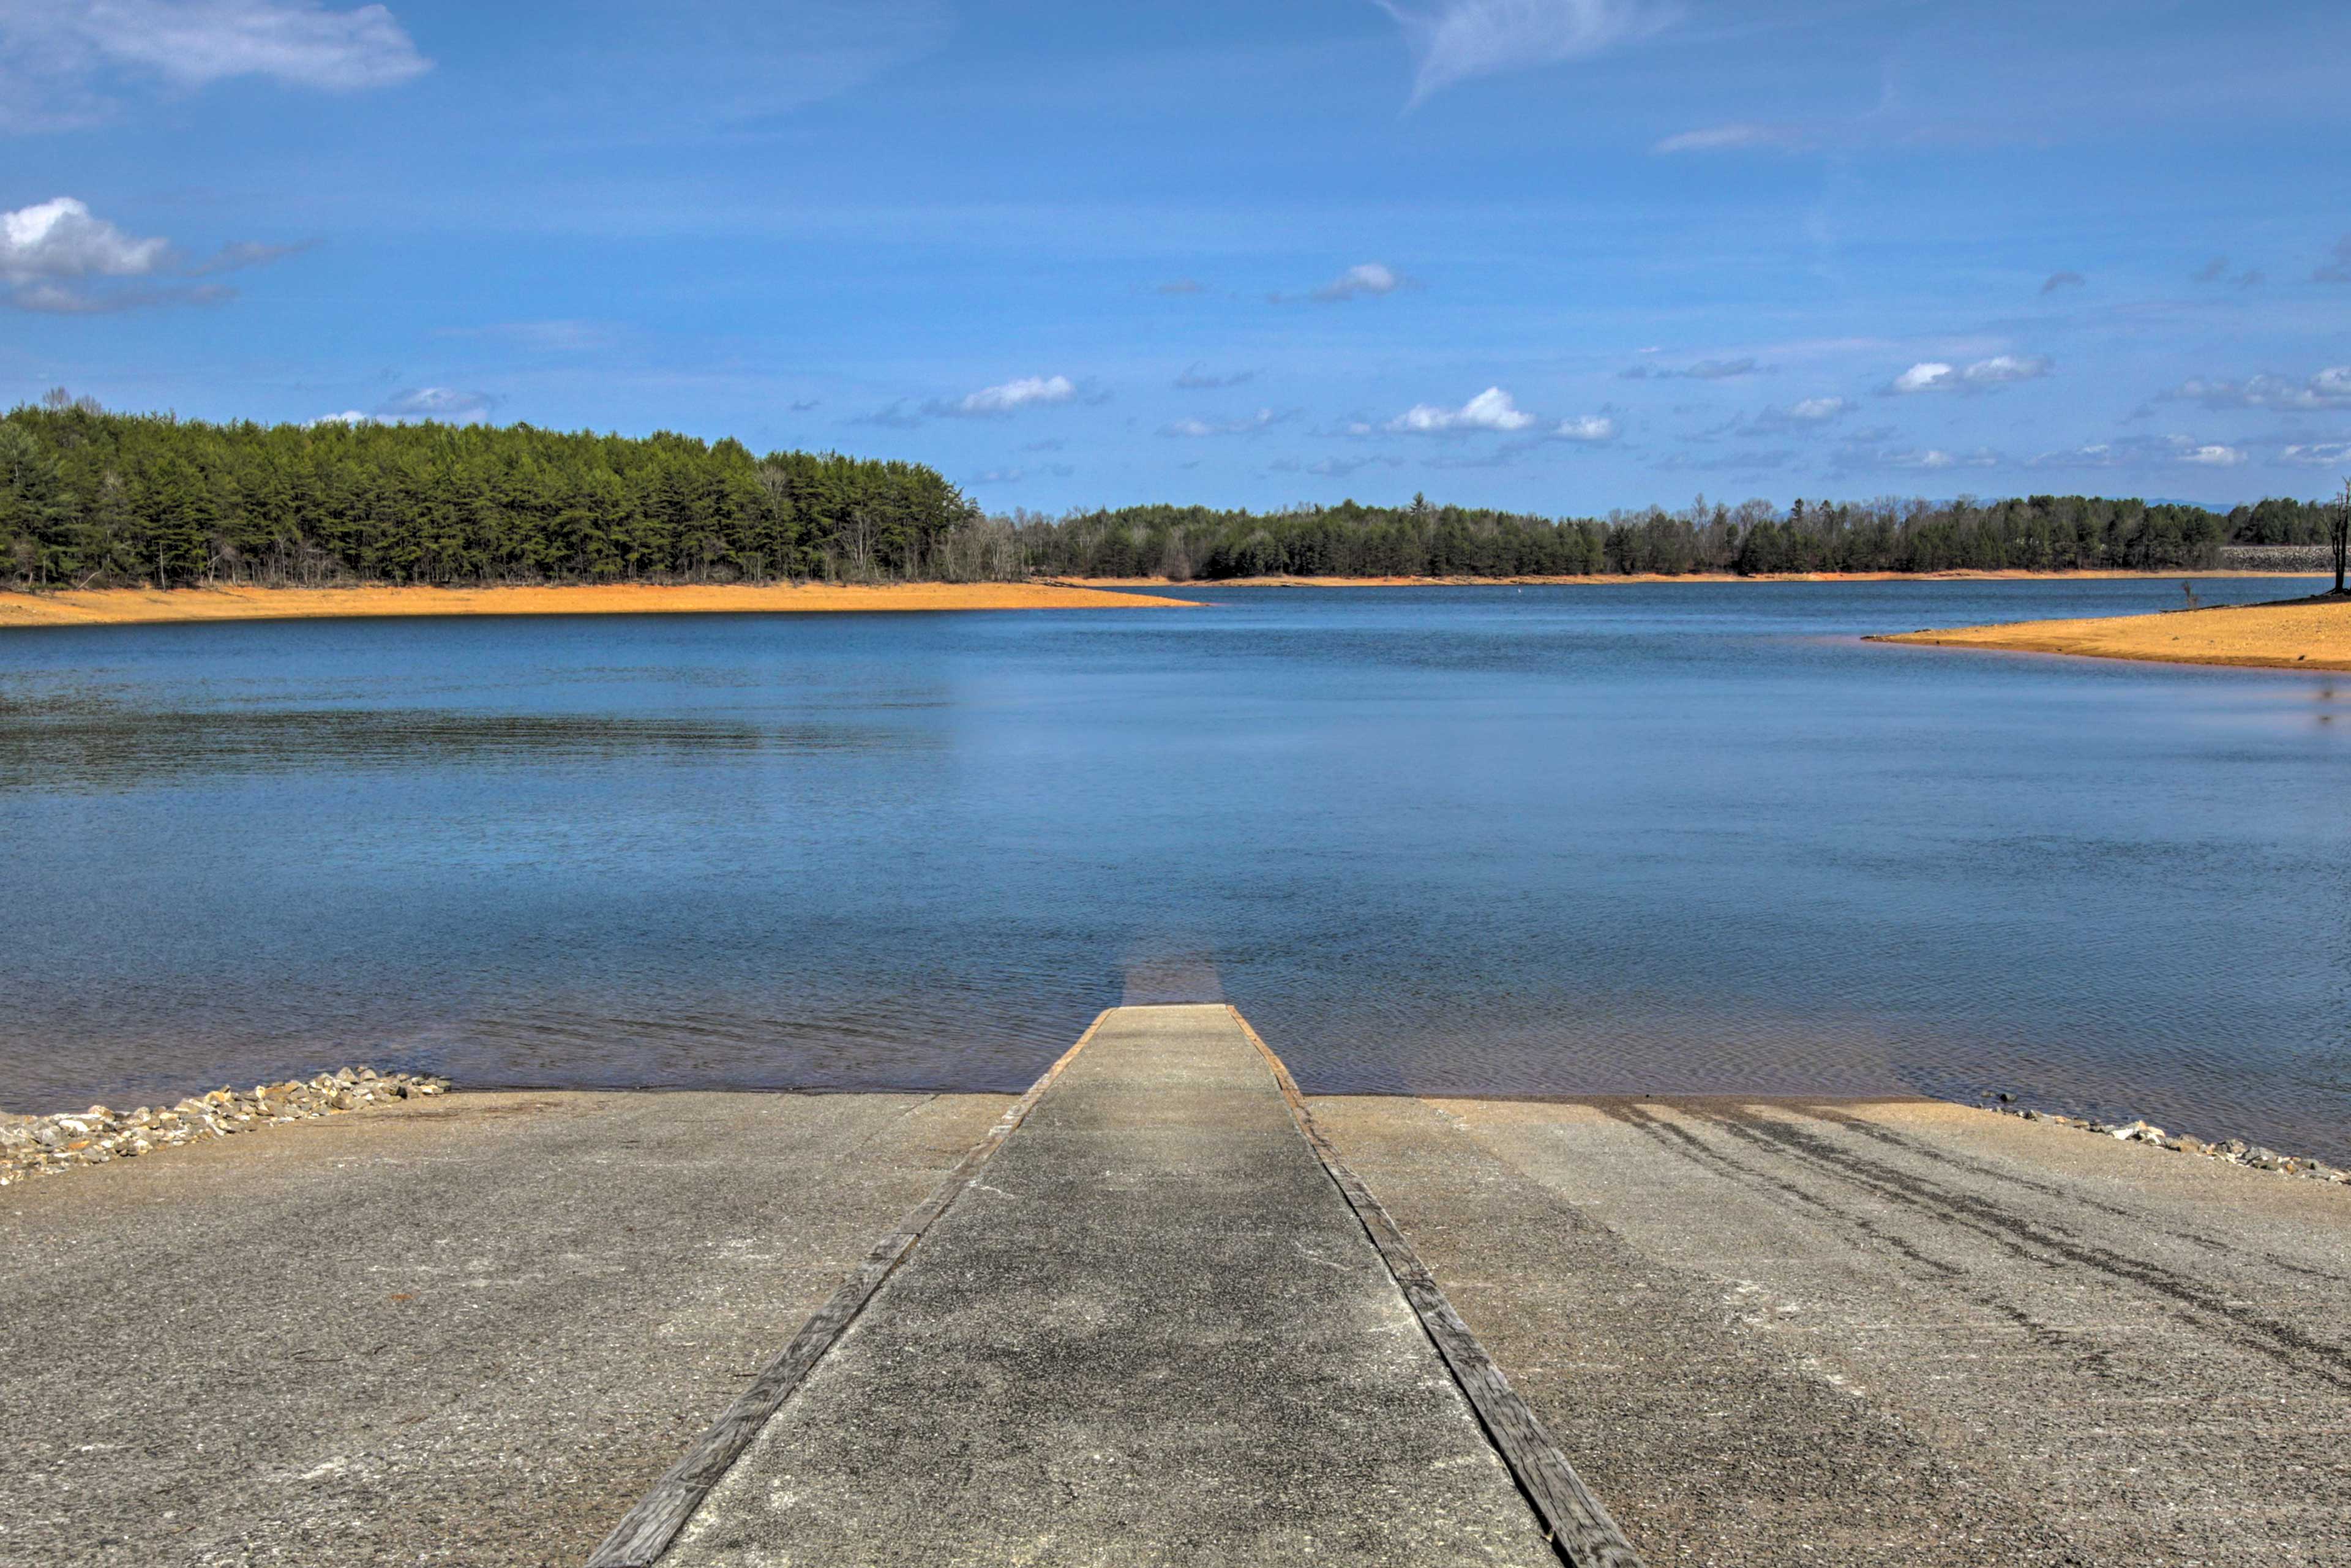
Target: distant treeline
x=2039 y=533
x=90 y=498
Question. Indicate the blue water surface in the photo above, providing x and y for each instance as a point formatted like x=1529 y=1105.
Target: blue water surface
x=1495 y=841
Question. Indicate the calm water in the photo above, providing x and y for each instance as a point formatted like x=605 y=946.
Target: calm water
x=1504 y=841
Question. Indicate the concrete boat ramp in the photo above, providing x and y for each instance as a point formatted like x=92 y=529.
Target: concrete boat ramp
x=1152 y=1319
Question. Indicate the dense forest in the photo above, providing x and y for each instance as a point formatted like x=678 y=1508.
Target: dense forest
x=90 y=498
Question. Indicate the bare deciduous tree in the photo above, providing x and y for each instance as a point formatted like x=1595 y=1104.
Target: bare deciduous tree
x=2338 y=534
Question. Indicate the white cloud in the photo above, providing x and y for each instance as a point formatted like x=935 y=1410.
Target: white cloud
x=1454 y=40
x=1489 y=409
x=59 y=257
x=57 y=58
x=1926 y=376
x=2003 y=368
x=1370 y=278
x=2319 y=455
x=61 y=239
x=1012 y=396
x=2212 y=456
x=1594 y=429
x=348 y=416
x=1935 y=375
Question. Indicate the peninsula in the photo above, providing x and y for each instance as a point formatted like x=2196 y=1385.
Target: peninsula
x=2298 y=634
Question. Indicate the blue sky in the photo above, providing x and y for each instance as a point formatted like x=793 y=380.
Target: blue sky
x=1557 y=255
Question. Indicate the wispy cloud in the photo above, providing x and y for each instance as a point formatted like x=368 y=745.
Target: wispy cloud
x=1017 y=475
x=1872 y=133
x=1195 y=429
x=2337 y=267
x=2334 y=455
x=1704 y=371
x=1454 y=40
x=2329 y=389
x=1200 y=378
x=2058 y=280
x=892 y=415
x=1762 y=460
x=448 y=406
x=2217 y=271
x=58 y=257
x=1806 y=413
x=1741 y=136
x=60 y=60
x=1871 y=451
x=1489 y=409
x=1935 y=375
x=1589 y=429
x=1332 y=467
x=2146 y=452
x=561 y=337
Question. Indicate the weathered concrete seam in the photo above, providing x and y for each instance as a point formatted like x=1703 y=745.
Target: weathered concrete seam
x=1575 y=1523
x=646 y=1532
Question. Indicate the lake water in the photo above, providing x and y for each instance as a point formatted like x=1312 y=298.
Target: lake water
x=1503 y=841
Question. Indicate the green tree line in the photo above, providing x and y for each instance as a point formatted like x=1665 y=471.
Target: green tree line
x=90 y=498
x=2039 y=533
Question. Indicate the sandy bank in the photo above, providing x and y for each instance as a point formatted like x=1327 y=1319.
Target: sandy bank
x=125 y=606
x=1203 y=585
x=2303 y=634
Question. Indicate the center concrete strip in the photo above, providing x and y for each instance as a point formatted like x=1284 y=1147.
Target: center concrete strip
x=1150 y=1329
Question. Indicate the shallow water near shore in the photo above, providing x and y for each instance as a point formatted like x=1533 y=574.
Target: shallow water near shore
x=1477 y=841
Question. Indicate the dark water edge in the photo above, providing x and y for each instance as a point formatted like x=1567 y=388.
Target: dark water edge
x=1506 y=841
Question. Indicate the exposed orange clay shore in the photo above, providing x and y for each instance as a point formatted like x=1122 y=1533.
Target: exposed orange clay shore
x=2302 y=635
x=1203 y=586
x=125 y=606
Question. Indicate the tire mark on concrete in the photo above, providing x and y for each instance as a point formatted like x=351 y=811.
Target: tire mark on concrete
x=2198 y=1306
x=2072 y=1196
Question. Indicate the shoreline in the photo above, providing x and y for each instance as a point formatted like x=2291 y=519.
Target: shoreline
x=2291 y=634
x=61 y=1141
x=185 y=606
x=147 y=606
x=1200 y=584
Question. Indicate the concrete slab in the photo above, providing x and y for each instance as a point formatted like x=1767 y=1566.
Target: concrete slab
x=1153 y=1331
x=467 y=1332
x=1835 y=1333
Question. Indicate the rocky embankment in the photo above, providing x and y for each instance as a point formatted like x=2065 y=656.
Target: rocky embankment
x=41 y=1146
x=2235 y=1151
